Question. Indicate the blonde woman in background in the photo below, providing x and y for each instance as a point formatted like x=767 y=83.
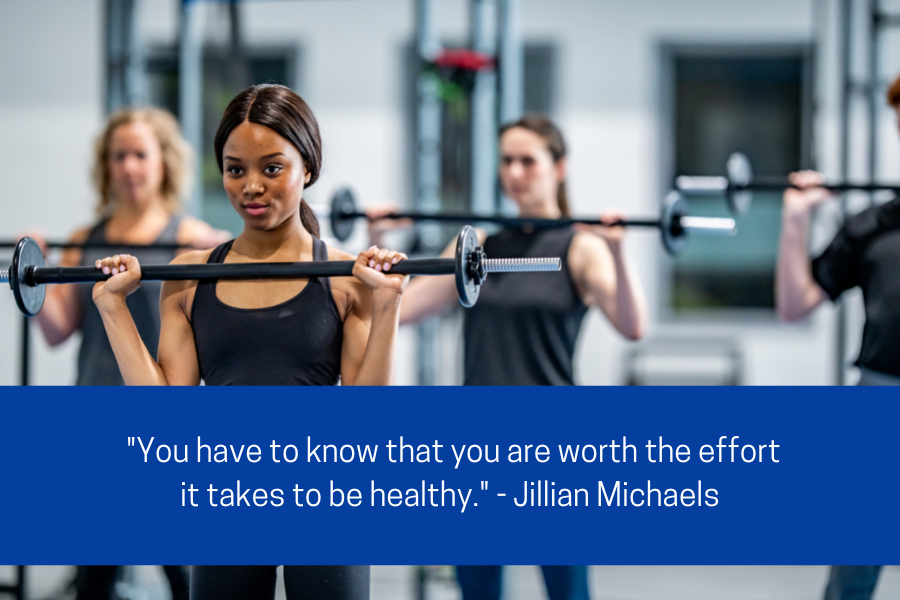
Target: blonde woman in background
x=141 y=172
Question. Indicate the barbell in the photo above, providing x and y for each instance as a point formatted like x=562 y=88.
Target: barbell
x=27 y=276
x=739 y=184
x=674 y=222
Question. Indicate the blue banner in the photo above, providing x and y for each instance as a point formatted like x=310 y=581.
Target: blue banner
x=449 y=476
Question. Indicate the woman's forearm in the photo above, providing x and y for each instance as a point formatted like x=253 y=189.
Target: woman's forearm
x=135 y=362
x=57 y=320
x=796 y=292
x=631 y=305
x=377 y=366
x=427 y=297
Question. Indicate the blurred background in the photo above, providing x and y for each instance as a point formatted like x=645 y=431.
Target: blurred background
x=525 y=583
x=643 y=90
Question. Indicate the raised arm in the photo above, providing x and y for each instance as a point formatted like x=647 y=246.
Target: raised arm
x=796 y=292
x=370 y=328
x=431 y=296
x=177 y=354
x=426 y=296
x=605 y=278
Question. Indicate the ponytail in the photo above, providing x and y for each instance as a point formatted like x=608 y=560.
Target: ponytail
x=308 y=218
x=562 y=200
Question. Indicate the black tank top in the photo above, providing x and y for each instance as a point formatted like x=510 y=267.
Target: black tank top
x=522 y=330
x=865 y=253
x=96 y=361
x=297 y=342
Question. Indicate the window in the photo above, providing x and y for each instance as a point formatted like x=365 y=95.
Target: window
x=751 y=100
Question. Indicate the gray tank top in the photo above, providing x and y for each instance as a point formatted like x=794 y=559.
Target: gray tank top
x=96 y=361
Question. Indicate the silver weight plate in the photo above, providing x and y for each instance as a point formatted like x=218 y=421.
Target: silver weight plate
x=29 y=298
x=466 y=242
x=342 y=203
x=674 y=238
x=740 y=174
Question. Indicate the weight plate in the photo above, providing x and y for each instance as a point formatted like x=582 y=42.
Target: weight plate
x=29 y=298
x=466 y=242
x=342 y=203
x=674 y=238
x=740 y=174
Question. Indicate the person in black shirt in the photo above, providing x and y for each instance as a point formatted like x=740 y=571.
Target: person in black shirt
x=864 y=253
x=524 y=327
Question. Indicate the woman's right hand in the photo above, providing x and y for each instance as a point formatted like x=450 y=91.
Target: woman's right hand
x=126 y=278
x=808 y=193
x=378 y=226
x=611 y=233
x=373 y=269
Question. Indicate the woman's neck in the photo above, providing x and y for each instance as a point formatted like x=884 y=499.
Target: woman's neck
x=289 y=239
x=543 y=210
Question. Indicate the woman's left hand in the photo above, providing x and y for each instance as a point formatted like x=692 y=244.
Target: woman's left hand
x=613 y=234
x=373 y=268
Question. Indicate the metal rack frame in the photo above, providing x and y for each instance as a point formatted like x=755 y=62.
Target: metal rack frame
x=872 y=91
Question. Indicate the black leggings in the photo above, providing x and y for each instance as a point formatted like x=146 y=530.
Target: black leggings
x=300 y=583
x=485 y=582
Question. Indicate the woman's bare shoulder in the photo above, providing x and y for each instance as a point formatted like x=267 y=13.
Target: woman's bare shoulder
x=352 y=289
x=192 y=227
x=80 y=235
x=338 y=254
x=171 y=288
x=193 y=257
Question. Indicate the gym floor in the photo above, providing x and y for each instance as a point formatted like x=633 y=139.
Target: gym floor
x=524 y=583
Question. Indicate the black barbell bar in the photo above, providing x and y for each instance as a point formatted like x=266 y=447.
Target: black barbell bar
x=739 y=184
x=27 y=276
x=24 y=346
x=674 y=222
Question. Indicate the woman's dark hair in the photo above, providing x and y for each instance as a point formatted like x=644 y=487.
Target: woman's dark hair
x=551 y=134
x=284 y=112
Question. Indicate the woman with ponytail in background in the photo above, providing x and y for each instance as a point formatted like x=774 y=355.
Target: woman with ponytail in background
x=523 y=329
